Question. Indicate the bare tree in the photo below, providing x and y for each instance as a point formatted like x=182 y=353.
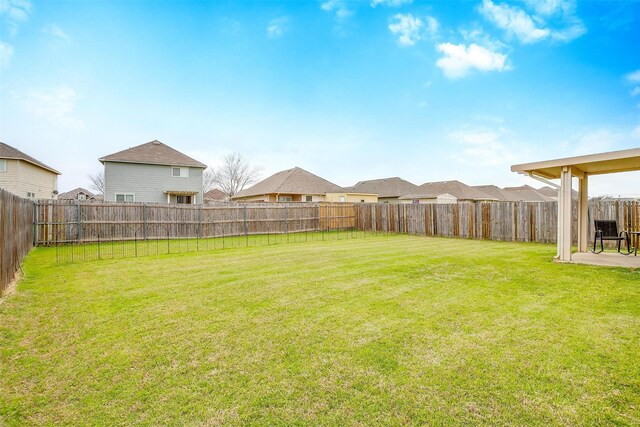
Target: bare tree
x=97 y=182
x=234 y=174
x=208 y=179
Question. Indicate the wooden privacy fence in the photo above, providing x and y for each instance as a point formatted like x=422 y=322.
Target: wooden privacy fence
x=507 y=221
x=77 y=222
x=16 y=234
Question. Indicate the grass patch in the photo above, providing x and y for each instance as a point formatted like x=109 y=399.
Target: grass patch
x=390 y=330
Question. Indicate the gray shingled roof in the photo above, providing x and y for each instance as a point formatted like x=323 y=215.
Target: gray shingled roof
x=461 y=191
x=291 y=181
x=385 y=187
x=73 y=194
x=548 y=191
x=153 y=153
x=525 y=193
x=8 y=152
x=494 y=191
x=215 y=194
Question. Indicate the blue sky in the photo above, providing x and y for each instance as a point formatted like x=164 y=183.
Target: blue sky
x=428 y=91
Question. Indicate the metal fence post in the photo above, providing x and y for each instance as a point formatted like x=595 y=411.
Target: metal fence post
x=78 y=221
x=246 y=227
x=286 y=222
x=35 y=223
x=144 y=221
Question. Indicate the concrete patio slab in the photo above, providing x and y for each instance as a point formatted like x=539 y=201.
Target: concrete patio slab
x=606 y=259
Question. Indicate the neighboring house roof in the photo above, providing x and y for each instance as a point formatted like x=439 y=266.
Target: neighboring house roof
x=73 y=194
x=153 y=153
x=291 y=181
x=8 y=152
x=461 y=191
x=385 y=187
x=525 y=193
x=548 y=191
x=494 y=191
x=215 y=194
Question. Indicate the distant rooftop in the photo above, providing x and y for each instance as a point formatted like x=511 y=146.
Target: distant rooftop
x=291 y=181
x=9 y=152
x=385 y=187
x=153 y=153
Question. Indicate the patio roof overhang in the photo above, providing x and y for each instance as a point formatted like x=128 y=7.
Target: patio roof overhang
x=592 y=164
x=581 y=167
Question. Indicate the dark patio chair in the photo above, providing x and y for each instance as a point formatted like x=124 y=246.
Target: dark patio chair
x=608 y=230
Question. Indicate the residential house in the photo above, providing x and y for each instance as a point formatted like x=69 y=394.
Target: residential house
x=77 y=194
x=526 y=193
x=152 y=172
x=25 y=176
x=298 y=185
x=494 y=191
x=446 y=192
x=215 y=195
x=389 y=190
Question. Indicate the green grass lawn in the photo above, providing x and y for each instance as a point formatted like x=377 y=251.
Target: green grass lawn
x=387 y=330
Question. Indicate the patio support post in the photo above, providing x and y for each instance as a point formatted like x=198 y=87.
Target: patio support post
x=583 y=210
x=564 y=219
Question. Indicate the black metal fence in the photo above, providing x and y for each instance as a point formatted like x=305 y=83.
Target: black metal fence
x=82 y=232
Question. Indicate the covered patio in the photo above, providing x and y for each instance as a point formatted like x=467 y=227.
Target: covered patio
x=582 y=167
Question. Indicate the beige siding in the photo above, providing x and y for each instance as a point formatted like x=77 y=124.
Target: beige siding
x=9 y=179
x=351 y=197
x=23 y=177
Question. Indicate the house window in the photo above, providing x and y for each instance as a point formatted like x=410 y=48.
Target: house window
x=125 y=197
x=183 y=200
x=308 y=198
x=362 y=201
x=341 y=199
x=284 y=198
x=178 y=172
x=31 y=195
x=3 y=165
x=82 y=197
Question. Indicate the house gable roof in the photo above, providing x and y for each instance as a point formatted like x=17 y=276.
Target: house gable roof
x=153 y=153
x=291 y=181
x=494 y=191
x=431 y=190
x=10 y=153
x=215 y=194
x=73 y=194
x=525 y=193
x=548 y=191
x=385 y=187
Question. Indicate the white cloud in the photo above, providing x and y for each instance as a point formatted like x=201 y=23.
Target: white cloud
x=549 y=7
x=514 y=21
x=550 y=20
x=55 y=105
x=635 y=91
x=55 y=31
x=634 y=77
x=432 y=26
x=6 y=52
x=390 y=3
x=338 y=8
x=14 y=13
x=483 y=147
x=277 y=27
x=407 y=27
x=591 y=141
x=459 y=59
